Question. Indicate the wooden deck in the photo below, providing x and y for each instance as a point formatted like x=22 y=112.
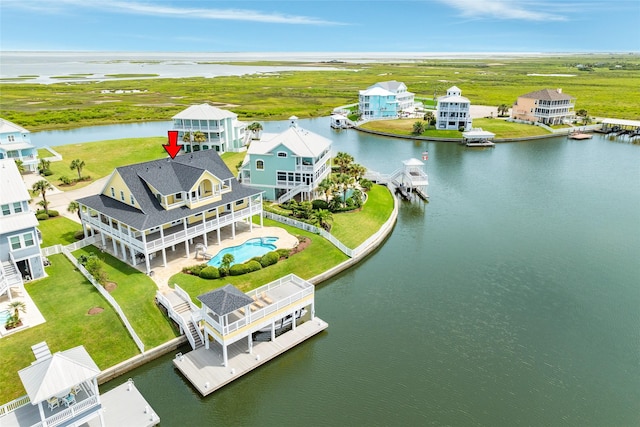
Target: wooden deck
x=203 y=368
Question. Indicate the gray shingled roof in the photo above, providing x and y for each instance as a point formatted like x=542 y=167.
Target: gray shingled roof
x=547 y=95
x=391 y=85
x=225 y=300
x=168 y=176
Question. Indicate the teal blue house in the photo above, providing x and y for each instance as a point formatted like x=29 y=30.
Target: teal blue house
x=385 y=100
x=287 y=165
x=15 y=143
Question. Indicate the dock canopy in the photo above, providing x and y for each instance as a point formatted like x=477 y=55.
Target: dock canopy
x=225 y=300
x=57 y=374
x=478 y=134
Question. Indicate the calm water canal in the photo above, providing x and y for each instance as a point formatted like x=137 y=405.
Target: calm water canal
x=512 y=298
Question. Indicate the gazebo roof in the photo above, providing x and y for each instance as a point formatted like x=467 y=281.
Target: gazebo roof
x=225 y=300
x=58 y=374
x=412 y=162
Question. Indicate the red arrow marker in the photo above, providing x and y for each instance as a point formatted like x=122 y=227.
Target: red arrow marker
x=173 y=147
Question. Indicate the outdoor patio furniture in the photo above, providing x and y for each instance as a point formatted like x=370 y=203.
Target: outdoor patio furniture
x=257 y=302
x=266 y=298
x=75 y=390
x=69 y=399
x=53 y=402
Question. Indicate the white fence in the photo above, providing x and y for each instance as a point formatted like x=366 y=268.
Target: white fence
x=56 y=156
x=106 y=296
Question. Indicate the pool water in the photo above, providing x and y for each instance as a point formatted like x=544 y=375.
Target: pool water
x=4 y=316
x=251 y=248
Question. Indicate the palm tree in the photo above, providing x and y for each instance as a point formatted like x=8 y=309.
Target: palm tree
x=503 y=109
x=418 y=128
x=41 y=187
x=43 y=165
x=186 y=137
x=326 y=186
x=77 y=164
x=17 y=307
x=356 y=171
x=255 y=129
x=199 y=137
x=343 y=160
x=74 y=207
x=430 y=118
x=227 y=260
x=322 y=217
x=20 y=165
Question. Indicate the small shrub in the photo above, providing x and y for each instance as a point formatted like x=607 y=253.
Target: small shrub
x=319 y=204
x=238 y=269
x=366 y=184
x=65 y=180
x=283 y=253
x=253 y=266
x=78 y=235
x=42 y=216
x=209 y=272
x=194 y=269
x=224 y=271
x=269 y=258
x=47 y=172
x=53 y=213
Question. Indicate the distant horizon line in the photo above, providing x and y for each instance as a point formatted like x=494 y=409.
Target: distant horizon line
x=402 y=53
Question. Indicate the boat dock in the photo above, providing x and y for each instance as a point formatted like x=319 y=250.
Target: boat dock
x=478 y=138
x=579 y=136
x=407 y=181
x=204 y=369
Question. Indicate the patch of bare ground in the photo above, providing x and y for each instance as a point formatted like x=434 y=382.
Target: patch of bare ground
x=95 y=310
x=302 y=245
x=110 y=286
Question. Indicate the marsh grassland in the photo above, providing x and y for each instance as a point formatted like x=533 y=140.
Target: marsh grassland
x=604 y=85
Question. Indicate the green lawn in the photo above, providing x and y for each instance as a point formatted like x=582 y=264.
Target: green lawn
x=369 y=219
x=58 y=230
x=504 y=129
x=102 y=157
x=135 y=294
x=405 y=127
x=318 y=257
x=64 y=298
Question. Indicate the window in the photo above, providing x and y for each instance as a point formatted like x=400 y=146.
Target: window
x=113 y=192
x=259 y=165
x=15 y=242
x=282 y=154
x=282 y=176
x=11 y=138
x=133 y=201
x=178 y=196
x=239 y=202
x=6 y=210
x=122 y=195
x=21 y=241
x=17 y=207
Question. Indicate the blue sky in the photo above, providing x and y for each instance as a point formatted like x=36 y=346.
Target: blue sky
x=321 y=26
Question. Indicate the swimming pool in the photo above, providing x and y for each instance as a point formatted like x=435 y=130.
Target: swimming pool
x=251 y=248
x=4 y=316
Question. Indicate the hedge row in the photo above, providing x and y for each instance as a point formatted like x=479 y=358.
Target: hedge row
x=209 y=272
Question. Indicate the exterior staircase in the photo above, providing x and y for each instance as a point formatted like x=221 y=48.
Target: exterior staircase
x=181 y=313
x=9 y=276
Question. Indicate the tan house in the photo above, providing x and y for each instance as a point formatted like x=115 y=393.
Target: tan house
x=548 y=106
x=146 y=208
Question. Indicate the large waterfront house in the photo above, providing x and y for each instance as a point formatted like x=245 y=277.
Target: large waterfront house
x=547 y=106
x=146 y=208
x=62 y=391
x=15 y=144
x=20 y=254
x=453 y=111
x=287 y=164
x=385 y=100
x=205 y=127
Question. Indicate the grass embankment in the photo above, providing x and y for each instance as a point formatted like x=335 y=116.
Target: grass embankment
x=135 y=293
x=64 y=299
x=58 y=231
x=501 y=128
x=369 y=219
x=316 y=93
x=102 y=157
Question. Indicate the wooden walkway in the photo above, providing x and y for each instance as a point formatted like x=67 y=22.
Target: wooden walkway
x=203 y=368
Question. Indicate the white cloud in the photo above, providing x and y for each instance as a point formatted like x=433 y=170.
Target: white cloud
x=160 y=10
x=506 y=9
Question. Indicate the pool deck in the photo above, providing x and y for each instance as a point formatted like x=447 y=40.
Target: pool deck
x=177 y=259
